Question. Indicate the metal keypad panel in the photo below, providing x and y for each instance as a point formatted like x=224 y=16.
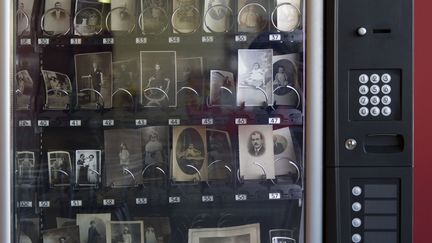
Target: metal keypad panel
x=374 y=95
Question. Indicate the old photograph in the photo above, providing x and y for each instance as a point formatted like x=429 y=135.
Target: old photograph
x=25 y=168
x=59 y=168
x=56 y=18
x=252 y=16
x=158 y=78
x=125 y=232
x=125 y=83
x=220 y=155
x=154 y=19
x=94 y=80
x=254 y=82
x=88 y=167
x=156 y=229
x=287 y=15
x=256 y=152
x=222 y=88
x=218 y=16
x=186 y=16
x=24 y=90
x=62 y=235
x=123 y=157
x=28 y=230
x=190 y=81
x=237 y=234
x=88 y=19
x=65 y=222
x=123 y=15
x=286 y=85
x=155 y=147
x=189 y=161
x=58 y=90
x=285 y=158
x=24 y=16
x=93 y=227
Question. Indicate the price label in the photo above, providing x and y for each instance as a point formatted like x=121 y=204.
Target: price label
x=75 y=123
x=240 y=38
x=275 y=37
x=274 y=196
x=108 y=202
x=240 y=197
x=43 y=123
x=75 y=41
x=141 y=201
x=274 y=120
x=44 y=204
x=108 y=41
x=108 y=123
x=140 y=122
x=141 y=40
x=207 y=39
x=207 y=121
x=25 y=41
x=207 y=198
x=43 y=41
x=241 y=121
x=173 y=39
x=174 y=200
x=24 y=123
x=25 y=204
x=76 y=203
x=174 y=122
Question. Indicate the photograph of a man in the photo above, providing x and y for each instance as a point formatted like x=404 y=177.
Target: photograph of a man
x=256 y=144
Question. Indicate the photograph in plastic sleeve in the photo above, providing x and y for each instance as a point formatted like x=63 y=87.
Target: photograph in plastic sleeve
x=287 y=15
x=256 y=152
x=122 y=16
x=220 y=155
x=125 y=83
x=26 y=168
x=62 y=235
x=155 y=148
x=189 y=161
x=92 y=227
x=57 y=17
x=28 y=230
x=88 y=167
x=286 y=85
x=154 y=19
x=252 y=16
x=254 y=82
x=65 y=222
x=58 y=90
x=186 y=16
x=218 y=16
x=88 y=18
x=123 y=157
x=158 y=78
x=190 y=81
x=222 y=88
x=24 y=17
x=285 y=158
x=24 y=90
x=59 y=168
x=249 y=233
x=125 y=232
x=157 y=229
x=94 y=80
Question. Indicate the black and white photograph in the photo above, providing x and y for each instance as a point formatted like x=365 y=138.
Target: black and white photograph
x=94 y=80
x=24 y=16
x=186 y=16
x=125 y=232
x=154 y=19
x=222 y=88
x=189 y=161
x=155 y=147
x=28 y=230
x=65 y=222
x=237 y=234
x=125 y=83
x=123 y=157
x=190 y=81
x=56 y=18
x=256 y=152
x=254 y=82
x=288 y=15
x=286 y=85
x=252 y=16
x=93 y=227
x=59 y=168
x=58 y=90
x=285 y=158
x=220 y=155
x=88 y=19
x=156 y=229
x=24 y=90
x=218 y=16
x=61 y=235
x=88 y=167
x=122 y=15
x=158 y=78
x=25 y=168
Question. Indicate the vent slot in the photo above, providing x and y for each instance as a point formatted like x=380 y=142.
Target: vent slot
x=381 y=31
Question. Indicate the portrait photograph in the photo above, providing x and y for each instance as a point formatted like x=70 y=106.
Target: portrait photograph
x=190 y=81
x=220 y=155
x=222 y=88
x=155 y=19
x=158 y=78
x=285 y=156
x=288 y=14
x=186 y=16
x=285 y=79
x=65 y=222
x=94 y=80
x=59 y=168
x=93 y=227
x=254 y=82
x=88 y=167
x=123 y=157
x=28 y=230
x=125 y=232
x=252 y=16
x=24 y=16
x=218 y=16
x=189 y=153
x=156 y=229
x=24 y=89
x=126 y=83
x=155 y=147
x=256 y=152
x=26 y=168
x=123 y=15
x=62 y=235
x=88 y=18
x=57 y=17
x=237 y=234
x=58 y=90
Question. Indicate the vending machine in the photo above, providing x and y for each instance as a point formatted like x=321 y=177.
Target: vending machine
x=206 y=121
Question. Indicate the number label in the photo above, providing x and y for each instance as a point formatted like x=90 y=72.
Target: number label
x=108 y=123
x=207 y=121
x=174 y=122
x=174 y=40
x=240 y=38
x=76 y=203
x=141 y=40
x=43 y=41
x=108 y=41
x=141 y=201
x=174 y=200
x=25 y=41
x=207 y=198
x=240 y=121
x=25 y=204
x=75 y=123
x=274 y=196
x=108 y=202
x=75 y=41
x=240 y=197
x=275 y=37
x=207 y=39
x=274 y=120
x=140 y=122
x=43 y=123
x=24 y=123
x=44 y=204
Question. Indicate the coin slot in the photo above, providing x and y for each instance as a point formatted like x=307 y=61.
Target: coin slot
x=384 y=143
x=381 y=31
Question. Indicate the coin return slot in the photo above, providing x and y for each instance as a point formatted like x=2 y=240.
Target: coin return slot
x=384 y=143
x=381 y=31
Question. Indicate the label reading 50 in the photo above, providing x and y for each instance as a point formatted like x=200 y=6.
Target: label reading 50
x=44 y=204
x=240 y=197
x=108 y=202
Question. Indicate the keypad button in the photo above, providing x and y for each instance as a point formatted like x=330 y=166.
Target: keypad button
x=364 y=100
x=364 y=89
x=375 y=78
x=356 y=207
x=363 y=78
x=386 y=111
x=375 y=100
x=364 y=111
x=386 y=78
x=375 y=111
x=356 y=191
x=386 y=100
x=356 y=222
x=386 y=89
x=356 y=238
x=375 y=89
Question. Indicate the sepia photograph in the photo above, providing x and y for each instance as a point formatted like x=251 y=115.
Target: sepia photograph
x=24 y=90
x=28 y=230
x=56 y=18
x=155 y=147
x=156 y=229
x=125 y=232
x=88 y=167
x=123 y=157
x=190 y=81
x=24 y=17
x=285 y=158
x=220 y=155
x=218 y=16
x=158 y=78
x=237 y=234
x=59 y=168
x=252 y=16
x=25 y=168
x=154 y=18
x=88 y=19
x=61 y=235
x=125 y=83
x=222 y=88
x=286 y=85
x=254 y=82
x=287 y=15
x=93 y=227
x=65 y=222
x=94 y=80
x=189 y=161
x=186 y=16
x=123 y=15
x=58 y=90
x=256 y=152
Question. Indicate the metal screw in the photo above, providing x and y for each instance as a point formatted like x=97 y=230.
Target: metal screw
x=350 y=144
x=362 y=31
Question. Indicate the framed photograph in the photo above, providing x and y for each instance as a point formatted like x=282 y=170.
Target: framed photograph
x=88 y=18
x=59 y=168
x=190 y=81
x=94 y=80
x=256 y=152
x=218 y=16
x=155 y=147
x=24 y=17
x=252 y=16
x=239 y=234
x=25 y=167
x=57 y=17
x=154 y=18
x=88 y=167
x=287 y=15
x=65 y=222
x=157 y=229
x=28 y=230
x=189 y=161
x=62 y=235
x=123 y=157
x=93 y=227
x=123 y=15
x=186 y=16
x=125 y=232
x=220 y=155
x=58 y=90
x=158 y=78
x=286 y=86
x=222 y=88
x=254 y=82
x=24 y=90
